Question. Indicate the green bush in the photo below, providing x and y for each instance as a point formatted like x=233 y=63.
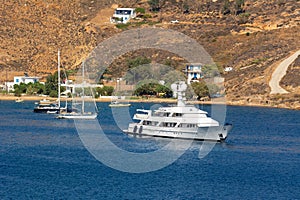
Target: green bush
x=146 y=16
x=140 y=10
x=135 y=62
x=200 y=89
x=122 y=26
x=53 y=93
x=154 y=5
x=104 y=91
x=154 y=89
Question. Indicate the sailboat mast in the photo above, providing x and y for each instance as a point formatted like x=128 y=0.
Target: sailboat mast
x=83 y=82
x=58 y=74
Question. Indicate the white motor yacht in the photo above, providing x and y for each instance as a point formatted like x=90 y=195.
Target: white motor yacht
x=180 y=121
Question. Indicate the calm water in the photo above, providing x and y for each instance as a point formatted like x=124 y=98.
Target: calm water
x=43 y=158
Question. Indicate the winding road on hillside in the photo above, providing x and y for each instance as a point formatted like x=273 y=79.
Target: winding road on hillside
x=280 y=72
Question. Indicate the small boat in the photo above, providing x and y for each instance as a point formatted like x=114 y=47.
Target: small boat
x=52 y=112
x=49 y=108
x=43 y=101
x=18 y=100
x=181 y=121
x=118 y=104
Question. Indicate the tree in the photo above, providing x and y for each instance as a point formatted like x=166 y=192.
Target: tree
x=200 y=89
x=238 y=6
x=210 y=71
x=52 y=83
x=213 y=90
x=140 y=10
x=30 y=88
x=153 y=89
x=226 y=7
x=186 y=7
x=53 y=93
x=154 y=5
x=104 y=91
x=132 y=63
x=35 y=88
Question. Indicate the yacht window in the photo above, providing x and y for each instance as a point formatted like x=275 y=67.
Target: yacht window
x=147 y=122
x=154 y=123
x=190 y=125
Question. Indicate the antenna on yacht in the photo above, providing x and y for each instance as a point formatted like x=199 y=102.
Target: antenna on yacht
x=179 y=88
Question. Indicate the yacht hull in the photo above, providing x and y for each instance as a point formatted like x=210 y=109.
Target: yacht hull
x=215 y=133
x=46 y=110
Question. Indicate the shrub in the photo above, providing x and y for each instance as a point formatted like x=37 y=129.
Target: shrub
x=140 y=10
x=53 y=93
x=122 y=26
x=146 y=16
x=104 y=91
x=154 y=89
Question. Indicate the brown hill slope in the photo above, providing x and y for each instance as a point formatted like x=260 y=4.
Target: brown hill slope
x=251 y=42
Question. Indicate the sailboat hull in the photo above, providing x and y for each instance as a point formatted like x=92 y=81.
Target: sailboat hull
x=77 y=116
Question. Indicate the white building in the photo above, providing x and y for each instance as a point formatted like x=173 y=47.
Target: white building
x=8 y=86
x=25 y=79
x=193 y=72
x=123 y=15
x=228 y=69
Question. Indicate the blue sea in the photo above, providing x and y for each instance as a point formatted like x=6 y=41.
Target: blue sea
x=42 y=157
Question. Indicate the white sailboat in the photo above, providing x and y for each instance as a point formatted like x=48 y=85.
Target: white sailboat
x=80 y=113
x=50 y=107
x=115 y=103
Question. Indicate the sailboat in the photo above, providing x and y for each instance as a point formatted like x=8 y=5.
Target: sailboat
x=115 y=103
x=80 y=113
x=46 y=106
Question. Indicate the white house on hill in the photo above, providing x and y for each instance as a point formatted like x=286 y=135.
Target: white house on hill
x=123 y=15
x=193 y=72
x=25 y=79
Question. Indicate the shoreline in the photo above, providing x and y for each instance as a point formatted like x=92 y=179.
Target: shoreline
x=151 y=100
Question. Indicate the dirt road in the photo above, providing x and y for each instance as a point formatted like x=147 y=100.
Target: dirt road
x=279 y=73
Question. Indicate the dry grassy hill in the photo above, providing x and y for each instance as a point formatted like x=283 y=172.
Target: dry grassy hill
x=251 y=42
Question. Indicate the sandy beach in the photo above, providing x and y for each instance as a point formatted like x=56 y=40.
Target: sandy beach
x=152 y=100
x=107 y=99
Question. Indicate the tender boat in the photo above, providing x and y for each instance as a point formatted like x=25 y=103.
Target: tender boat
x=50 y=108
x=180 y=121
x=18 y=100
x=118 y=104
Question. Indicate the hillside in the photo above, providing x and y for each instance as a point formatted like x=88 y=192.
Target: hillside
x=251 y=38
